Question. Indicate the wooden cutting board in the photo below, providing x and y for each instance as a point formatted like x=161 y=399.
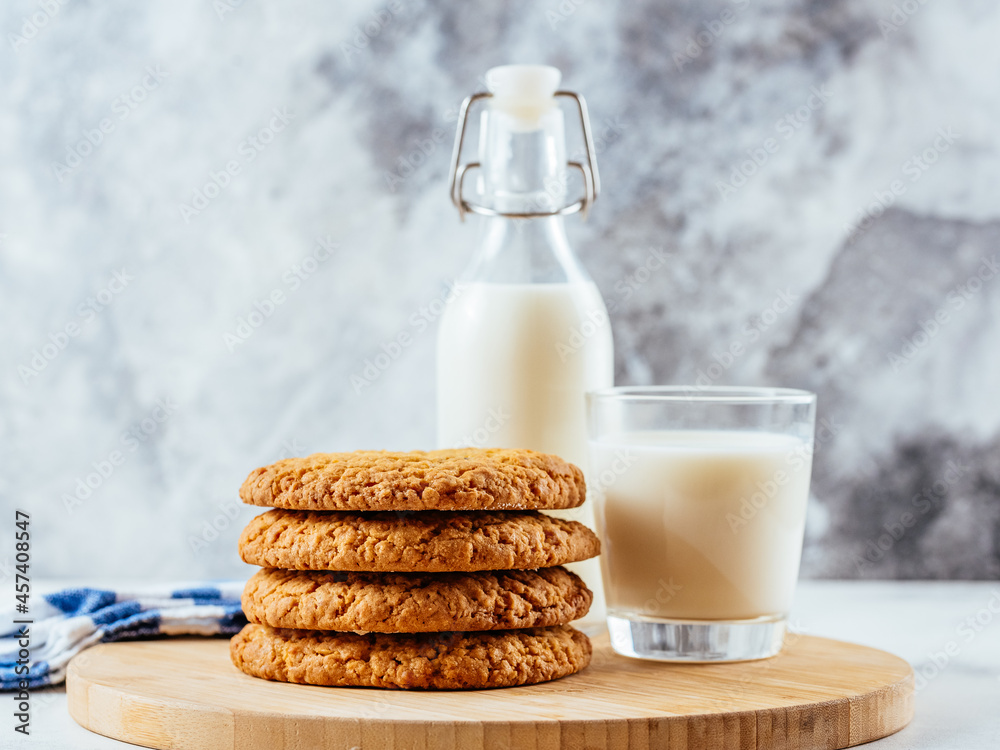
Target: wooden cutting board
x=185 y=693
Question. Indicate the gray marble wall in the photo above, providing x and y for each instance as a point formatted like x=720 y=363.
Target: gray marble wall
x=820 y=175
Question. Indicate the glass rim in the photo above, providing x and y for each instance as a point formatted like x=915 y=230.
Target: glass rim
x=710 y=394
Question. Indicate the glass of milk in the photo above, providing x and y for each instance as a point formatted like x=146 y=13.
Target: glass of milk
x=700 y=504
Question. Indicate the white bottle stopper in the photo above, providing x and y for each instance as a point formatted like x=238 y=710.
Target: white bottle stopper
x=523 y=91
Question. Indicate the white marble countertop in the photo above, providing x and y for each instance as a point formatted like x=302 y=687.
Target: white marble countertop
x=956 y=709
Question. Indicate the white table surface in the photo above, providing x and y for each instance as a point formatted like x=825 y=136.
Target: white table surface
x=956 y=709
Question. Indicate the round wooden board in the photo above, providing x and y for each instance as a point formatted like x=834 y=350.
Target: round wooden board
x=185 y=693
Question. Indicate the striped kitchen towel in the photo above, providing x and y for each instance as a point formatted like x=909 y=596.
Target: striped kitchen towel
x=65 y=623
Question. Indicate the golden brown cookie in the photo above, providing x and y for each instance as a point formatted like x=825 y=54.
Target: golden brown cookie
x=428 y=542
x=443 y=661
x=415 y=602
x=462 y=479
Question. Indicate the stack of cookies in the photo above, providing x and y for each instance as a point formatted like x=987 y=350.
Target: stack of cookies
x=414 y=570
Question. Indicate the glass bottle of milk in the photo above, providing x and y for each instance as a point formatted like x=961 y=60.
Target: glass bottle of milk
x=527 y=333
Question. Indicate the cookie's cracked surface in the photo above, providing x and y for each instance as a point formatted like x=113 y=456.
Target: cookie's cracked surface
x=446 y=661
x=429 y=541
x=461 y=479
x=415 y=602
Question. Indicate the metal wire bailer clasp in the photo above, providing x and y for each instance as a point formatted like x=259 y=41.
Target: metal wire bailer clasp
x=591 y=178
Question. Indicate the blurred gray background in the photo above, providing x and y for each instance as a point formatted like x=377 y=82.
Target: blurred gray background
x=819 y=175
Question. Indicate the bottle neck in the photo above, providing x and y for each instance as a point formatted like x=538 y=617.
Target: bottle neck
x=525 y=251
x=523 y=171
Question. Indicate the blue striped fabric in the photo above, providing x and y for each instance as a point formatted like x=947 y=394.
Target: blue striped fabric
x=67 y=622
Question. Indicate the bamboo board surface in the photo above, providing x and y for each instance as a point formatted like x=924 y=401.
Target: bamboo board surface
x=185 y=694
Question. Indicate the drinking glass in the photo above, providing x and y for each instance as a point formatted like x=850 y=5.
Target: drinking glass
x=700 y=496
